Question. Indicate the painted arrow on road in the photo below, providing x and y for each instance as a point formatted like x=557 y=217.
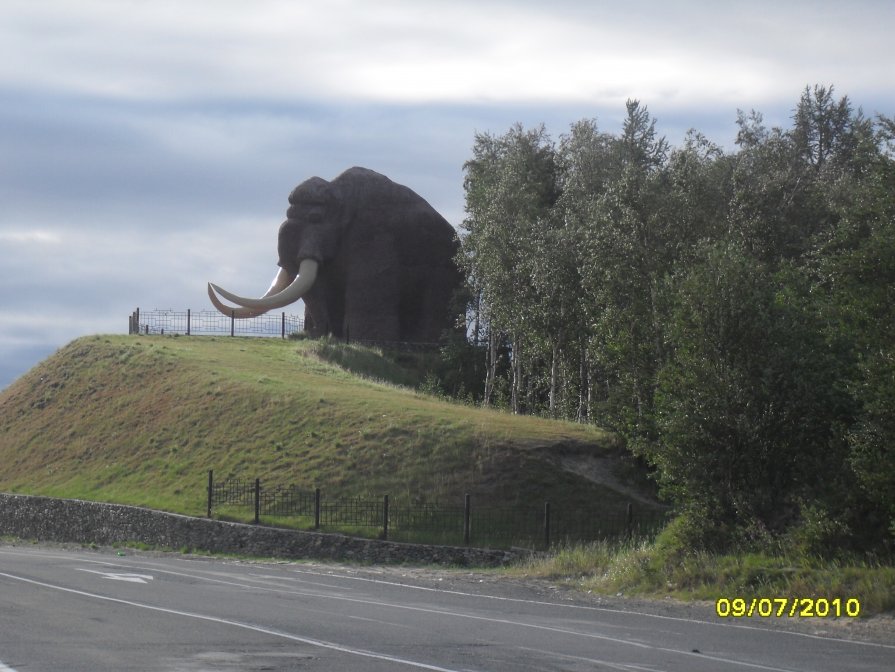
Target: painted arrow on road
x=115 y=576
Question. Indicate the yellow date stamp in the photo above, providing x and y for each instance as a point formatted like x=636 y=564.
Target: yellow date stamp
x=787 y=607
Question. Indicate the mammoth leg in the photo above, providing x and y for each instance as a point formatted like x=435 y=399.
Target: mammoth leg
x=427 y=299
x=372 y=293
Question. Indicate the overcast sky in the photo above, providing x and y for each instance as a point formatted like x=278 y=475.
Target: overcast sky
x=149 y=147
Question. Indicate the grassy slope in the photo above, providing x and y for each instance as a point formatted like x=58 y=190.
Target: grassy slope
x=140 y=420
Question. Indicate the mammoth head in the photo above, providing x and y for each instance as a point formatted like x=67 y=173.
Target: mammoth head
x=313 y=225
x=308 y=237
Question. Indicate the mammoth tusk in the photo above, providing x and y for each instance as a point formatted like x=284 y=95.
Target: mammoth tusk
x=283 y=279
x=238 y=313
x=277 y=296
x=280 y=282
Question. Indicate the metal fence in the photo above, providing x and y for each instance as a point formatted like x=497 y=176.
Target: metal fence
x=211 y=322
x=528 y=526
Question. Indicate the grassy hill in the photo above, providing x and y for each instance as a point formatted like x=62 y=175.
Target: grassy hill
x=140 y=420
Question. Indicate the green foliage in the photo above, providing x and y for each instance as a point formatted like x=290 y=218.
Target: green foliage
x=748 y=404
x=818 y=533
x=513 y=249
x=731 y=315
x=695 y=529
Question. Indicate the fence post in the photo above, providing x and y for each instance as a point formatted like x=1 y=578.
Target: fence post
x=547 y=525
x=317 y=508
x=210 y=490
x=257 y=501
x=232 y=322
x=188 y=317
x=629 y=519
x=385 y=517
x=466 y=517
x=283 y=324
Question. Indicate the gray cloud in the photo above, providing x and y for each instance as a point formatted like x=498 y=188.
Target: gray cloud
x=457 y=51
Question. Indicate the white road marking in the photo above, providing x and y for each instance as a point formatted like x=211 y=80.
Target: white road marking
x=115 y=576
x=584 y=607
x=502 y=621
x=332 y=575
x=5 y=668
x=246 y=626
x=624 y=667
x=273 y=577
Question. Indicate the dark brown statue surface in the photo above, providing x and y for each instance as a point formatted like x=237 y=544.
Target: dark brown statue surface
x=371 y=259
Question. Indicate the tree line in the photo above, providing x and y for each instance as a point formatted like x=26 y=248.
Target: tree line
x=729 y=313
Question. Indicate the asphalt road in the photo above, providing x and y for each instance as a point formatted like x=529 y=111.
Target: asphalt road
x=93 y=611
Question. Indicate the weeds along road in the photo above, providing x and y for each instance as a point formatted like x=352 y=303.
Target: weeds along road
x=82 y=610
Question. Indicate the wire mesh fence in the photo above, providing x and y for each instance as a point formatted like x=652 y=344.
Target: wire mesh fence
x=352 y=513
x=531 y=526
x=211 y=322
x=287 y=501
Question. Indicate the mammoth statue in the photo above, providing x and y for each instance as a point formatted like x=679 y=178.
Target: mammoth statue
x=370 y=258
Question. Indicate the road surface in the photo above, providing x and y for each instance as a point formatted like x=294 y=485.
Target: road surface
x=78 y=610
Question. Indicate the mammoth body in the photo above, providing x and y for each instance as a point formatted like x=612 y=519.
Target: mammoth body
x=370 y=258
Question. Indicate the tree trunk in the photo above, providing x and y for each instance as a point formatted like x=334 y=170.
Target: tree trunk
x=554 y=369
x=529 y=385
x=583 y=386
x=478 y=312
x=553 y=377
x=516 y=395
x=491 y=370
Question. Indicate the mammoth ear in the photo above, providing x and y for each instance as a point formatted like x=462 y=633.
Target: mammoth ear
x=341 y=213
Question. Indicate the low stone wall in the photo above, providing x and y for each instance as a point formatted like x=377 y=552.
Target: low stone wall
x=72 y=520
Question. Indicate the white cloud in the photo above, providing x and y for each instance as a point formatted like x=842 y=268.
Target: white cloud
x=411 y=52
x=30 y=237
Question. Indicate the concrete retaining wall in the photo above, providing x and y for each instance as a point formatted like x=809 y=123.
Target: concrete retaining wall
x=72 y=520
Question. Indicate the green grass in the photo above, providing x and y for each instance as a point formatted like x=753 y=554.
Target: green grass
x=140 y=420
x=648 y=569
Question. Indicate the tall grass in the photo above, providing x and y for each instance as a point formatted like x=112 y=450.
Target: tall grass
x=652 y=569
